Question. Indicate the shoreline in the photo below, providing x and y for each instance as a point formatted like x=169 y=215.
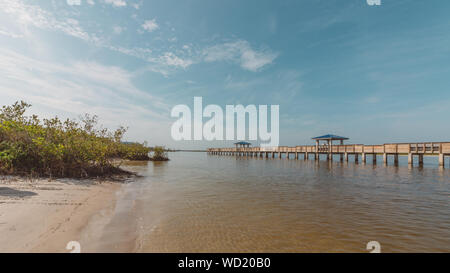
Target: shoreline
x=43 y=215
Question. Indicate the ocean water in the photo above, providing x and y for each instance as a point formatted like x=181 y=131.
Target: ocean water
x=205 y=203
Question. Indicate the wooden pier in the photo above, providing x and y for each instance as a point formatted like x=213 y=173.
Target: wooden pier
x=439 y=149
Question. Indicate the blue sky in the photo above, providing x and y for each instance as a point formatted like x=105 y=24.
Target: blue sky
x=376 y=74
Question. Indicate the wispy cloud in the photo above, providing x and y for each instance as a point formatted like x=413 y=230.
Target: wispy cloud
x=242 y=53
x=80 y=87
x=10 y=34
x=137 y=5
x=116 y=3
x=150 y=25
x=73 y=2
x=171 y=59
x=118 y=29
x=33 y=16
x=27 y=16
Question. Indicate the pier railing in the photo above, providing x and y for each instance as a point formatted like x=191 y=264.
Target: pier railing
x=440 y=149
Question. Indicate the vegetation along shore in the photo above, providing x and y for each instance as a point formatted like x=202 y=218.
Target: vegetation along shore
x=32 y=146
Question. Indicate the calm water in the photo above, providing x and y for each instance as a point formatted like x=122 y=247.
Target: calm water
x=201 y=203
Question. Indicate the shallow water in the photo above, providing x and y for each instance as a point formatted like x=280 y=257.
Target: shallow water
x=203 y=203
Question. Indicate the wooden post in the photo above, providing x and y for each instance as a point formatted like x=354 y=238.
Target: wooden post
x=421 y=159
x=330 y=150
x=346 y=157
x=410 y=155
x=356 y=158
x=374 y=159
x=306 y=156
x=396 y=155
x=363 y=155
x=410 y=159
x=441 y=160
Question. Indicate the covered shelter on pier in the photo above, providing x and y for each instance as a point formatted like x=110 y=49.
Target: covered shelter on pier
x=329 y=140
x=242 y=144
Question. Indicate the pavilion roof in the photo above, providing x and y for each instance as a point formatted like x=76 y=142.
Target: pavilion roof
x=242 y=143
x=330 y=137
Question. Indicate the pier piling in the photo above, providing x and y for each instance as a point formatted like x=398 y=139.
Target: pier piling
x=440 y=150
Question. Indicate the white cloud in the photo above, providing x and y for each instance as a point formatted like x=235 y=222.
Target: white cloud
x=73 y=2
x=90 y=2
x=10 y=34
x=116 y=3
x=72 y=89
x=172 y=60
x=240 y=52
x=150 y=25
x=136 y=5
x=118 y=29
x=26 y=16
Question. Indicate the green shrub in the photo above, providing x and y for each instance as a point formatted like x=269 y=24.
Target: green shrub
x=52 y=147
x=159 y=154
x=133 y=151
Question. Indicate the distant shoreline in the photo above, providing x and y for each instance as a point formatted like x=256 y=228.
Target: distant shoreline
x=195 y=151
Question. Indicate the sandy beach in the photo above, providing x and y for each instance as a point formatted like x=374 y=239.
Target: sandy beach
x=44 y=215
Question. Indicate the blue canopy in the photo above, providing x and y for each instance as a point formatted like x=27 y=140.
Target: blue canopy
x=330 y=137
x=242 y=143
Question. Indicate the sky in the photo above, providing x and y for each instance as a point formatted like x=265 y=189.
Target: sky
x=375 y=74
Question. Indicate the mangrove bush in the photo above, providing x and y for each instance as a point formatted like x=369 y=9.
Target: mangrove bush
x=53 y=147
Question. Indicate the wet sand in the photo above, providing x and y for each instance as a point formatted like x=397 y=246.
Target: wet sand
x=43 y=215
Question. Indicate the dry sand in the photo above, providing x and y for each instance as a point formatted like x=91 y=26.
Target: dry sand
x=43 y=215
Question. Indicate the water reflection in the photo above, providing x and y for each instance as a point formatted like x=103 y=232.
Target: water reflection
x=200 y=203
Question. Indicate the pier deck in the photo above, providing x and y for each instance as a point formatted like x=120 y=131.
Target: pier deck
x=440 y=149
